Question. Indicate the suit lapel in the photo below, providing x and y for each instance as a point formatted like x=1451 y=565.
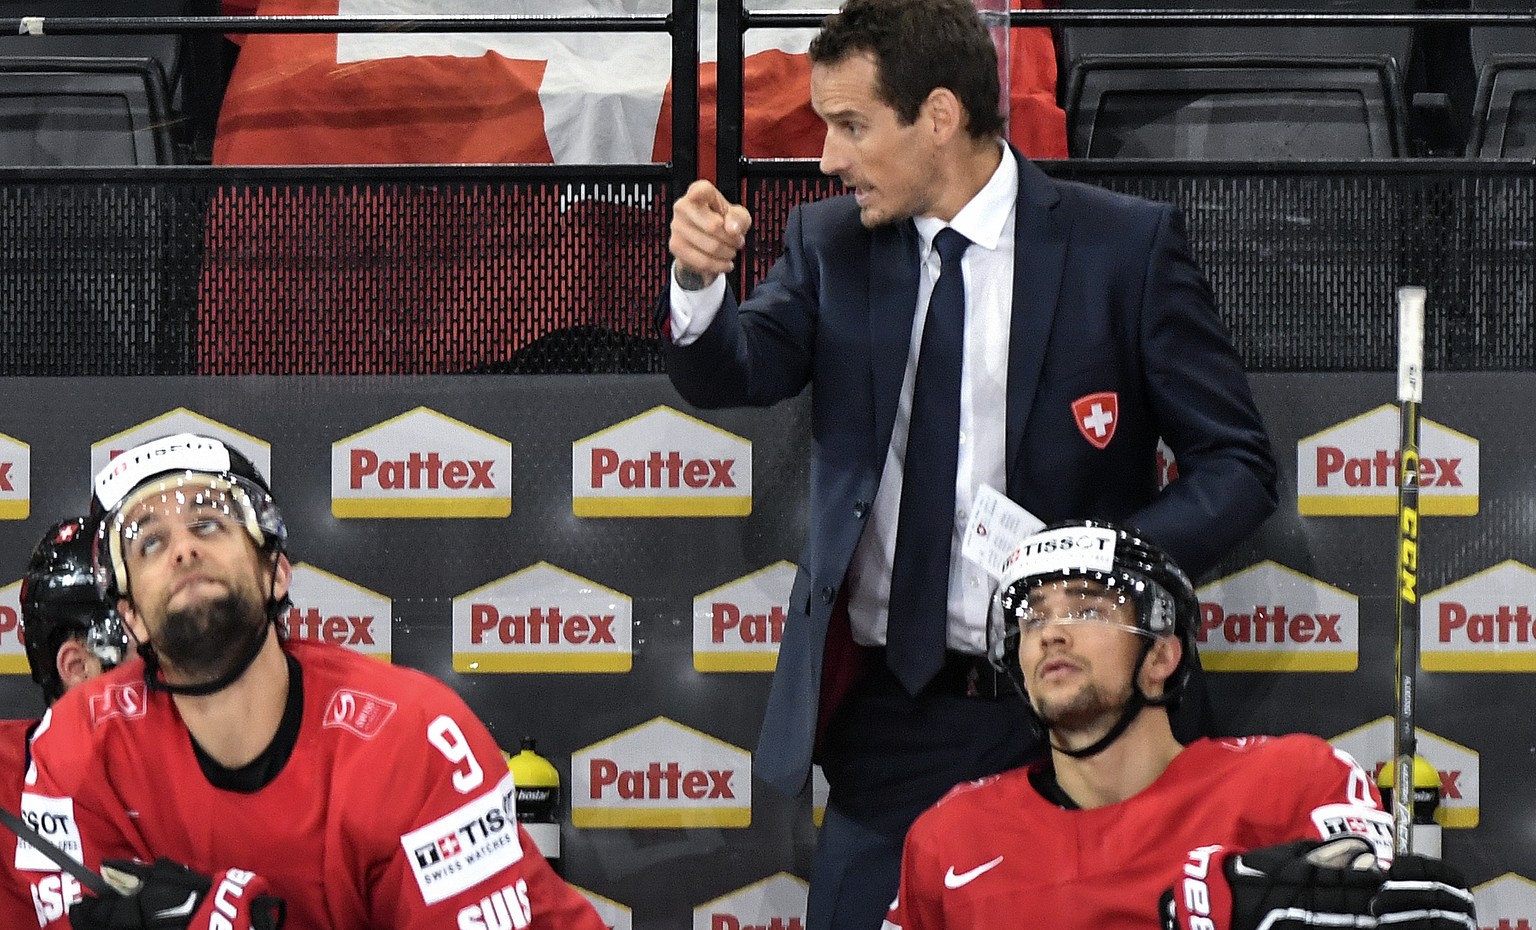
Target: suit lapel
x=1041 y=229
x=893 y=278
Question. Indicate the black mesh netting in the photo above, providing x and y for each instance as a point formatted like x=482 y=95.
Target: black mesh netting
x=1305 y=260
x=401 y=271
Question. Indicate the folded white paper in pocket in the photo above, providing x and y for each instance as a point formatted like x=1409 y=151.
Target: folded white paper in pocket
x=996 y=528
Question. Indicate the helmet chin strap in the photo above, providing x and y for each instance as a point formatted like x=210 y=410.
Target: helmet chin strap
x=156 y=679
x=1128 y=712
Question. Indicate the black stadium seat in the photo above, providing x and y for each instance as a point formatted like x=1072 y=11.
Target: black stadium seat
x=1235 y=107
x=1490 y=41
x=1236 y=92
x=84 y=111
x=169 y=81
x=1393 y=41
x=1504 y=114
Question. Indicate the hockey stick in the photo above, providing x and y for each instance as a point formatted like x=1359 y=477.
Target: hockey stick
x=1410 y=391
x=93 y=883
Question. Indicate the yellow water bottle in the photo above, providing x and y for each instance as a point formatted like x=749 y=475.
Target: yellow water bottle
x=538 y=799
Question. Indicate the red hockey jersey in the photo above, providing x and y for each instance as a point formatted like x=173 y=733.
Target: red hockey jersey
x=15 y=894
x=395 y=808
x=995 y=853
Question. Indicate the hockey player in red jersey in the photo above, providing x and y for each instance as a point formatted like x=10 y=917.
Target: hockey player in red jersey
x=260 y=775
x=71 y=636
x=1099 y=627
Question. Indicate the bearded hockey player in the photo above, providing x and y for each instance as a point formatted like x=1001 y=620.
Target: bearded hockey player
x=234 y=777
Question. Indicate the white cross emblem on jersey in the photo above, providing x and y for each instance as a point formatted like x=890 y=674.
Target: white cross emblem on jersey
x=1096 y=416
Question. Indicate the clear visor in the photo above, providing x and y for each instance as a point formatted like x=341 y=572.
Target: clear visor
x=151 y=519
x=1029 y=609
x=1077 y=601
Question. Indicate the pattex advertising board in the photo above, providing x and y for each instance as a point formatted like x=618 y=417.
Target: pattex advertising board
x=634 y=637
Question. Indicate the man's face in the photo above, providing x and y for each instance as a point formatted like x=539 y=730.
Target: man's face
x=197 y=585
x=1078 y=644
x=890 y=167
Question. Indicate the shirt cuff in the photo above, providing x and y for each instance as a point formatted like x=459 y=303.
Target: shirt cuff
x=693 y=311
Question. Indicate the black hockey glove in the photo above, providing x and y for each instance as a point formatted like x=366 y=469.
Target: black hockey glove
x=170 y=896
x=1335 y=884
x=1421 y=893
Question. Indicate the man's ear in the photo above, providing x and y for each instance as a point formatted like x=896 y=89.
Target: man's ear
x=944 y=114
x=282 y=575
x=1162 y=661
x=74 y=664
x=132 y=620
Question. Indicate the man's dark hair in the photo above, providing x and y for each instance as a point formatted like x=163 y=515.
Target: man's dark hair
x=919 y=45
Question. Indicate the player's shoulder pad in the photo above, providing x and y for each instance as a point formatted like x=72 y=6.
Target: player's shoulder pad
x=983 y=799
x=984 y=792
x=1298 y=752
x=1289 y=745
x=1304 y=748
x=363 y=696
x=116 y=698
x=83 y=726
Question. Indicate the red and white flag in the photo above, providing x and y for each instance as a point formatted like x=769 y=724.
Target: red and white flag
x=562 y=98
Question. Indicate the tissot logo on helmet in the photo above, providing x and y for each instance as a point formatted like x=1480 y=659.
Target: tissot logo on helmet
x=182 y=452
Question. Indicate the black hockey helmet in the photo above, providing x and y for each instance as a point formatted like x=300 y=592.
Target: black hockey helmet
x=60 y=600
x=1123 y=563
x=192 y=470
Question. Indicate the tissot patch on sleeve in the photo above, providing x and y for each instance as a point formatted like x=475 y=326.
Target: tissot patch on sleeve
x=54 y=818
x=461 y=848
x=1335 y=820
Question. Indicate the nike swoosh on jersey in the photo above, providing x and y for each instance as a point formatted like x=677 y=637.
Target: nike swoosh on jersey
x=184 y=909
x=953 y=880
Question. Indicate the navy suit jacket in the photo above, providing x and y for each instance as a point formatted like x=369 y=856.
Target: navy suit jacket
x=1107 y=297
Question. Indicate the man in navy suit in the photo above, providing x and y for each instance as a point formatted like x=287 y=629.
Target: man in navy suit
x=1073 y=330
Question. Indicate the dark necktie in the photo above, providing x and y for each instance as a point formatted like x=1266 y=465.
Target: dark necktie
x=918 y=610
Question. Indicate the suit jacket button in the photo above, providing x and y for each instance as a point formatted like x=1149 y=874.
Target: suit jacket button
x=860 y=509
x=827 y=594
